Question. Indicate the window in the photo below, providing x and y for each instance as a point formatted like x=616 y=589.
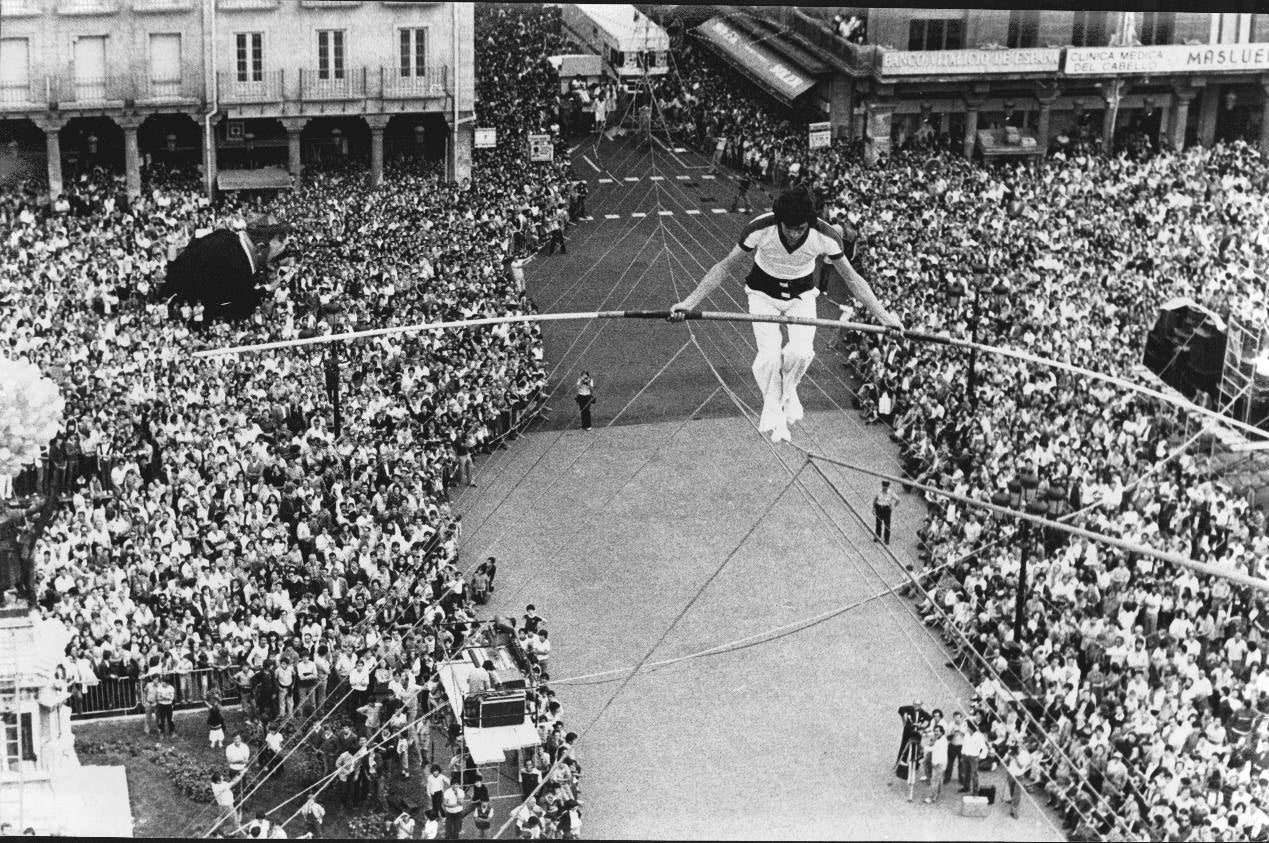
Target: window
x=330 y=54
x=165 y=64
x=1089 y=29
x=1024 y=28
x=935 y=34
x=90 y=67
x=15 y=73
x=413 y=52
x=19 y=740
x=1156 y=27
x=1231 y=28
x=250 y=51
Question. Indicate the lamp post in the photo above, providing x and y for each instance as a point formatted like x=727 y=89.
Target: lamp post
x=331 y=365
x=1022 y=490
x=954 y=291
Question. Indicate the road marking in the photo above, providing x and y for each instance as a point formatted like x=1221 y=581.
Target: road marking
x=679 y=149
x=605 y=181
x=682 y=177
x=719 y=210
x=612 y=216
x=665 y=213
x=587 y=219
x=708 y=176
x=638 y=214
x=693 y=211
x=658 y=178
x=593 y=165
x=632 y=178
x=659 y=143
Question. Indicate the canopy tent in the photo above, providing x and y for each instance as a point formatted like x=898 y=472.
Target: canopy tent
x=756 y=60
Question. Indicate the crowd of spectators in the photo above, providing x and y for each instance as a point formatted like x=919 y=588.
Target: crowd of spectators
x=205 y=515
x=1137 y=695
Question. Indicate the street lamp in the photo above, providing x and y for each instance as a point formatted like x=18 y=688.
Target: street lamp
x=1023 y=489
x=998 y=294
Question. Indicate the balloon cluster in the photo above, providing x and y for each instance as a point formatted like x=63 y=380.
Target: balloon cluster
x=31 y=408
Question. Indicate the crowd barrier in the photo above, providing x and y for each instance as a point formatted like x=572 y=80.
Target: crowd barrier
x=117 y=696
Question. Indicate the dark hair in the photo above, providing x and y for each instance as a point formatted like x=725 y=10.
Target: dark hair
x=794 y=207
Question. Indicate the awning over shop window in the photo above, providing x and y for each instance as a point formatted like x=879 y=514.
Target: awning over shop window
x=763 y=65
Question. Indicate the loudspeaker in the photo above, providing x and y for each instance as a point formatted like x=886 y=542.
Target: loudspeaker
x=510 y=680
x=496 y=709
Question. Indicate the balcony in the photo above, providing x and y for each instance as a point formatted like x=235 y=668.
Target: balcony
x=91 y=92
x=246 y=5
x=155 y=7
x=861 y=58
x=87 y=7
x=20 y=9
x=234 y=92
x=169 y=91
x=431 y=83
x=21 y=96
x=351 y=86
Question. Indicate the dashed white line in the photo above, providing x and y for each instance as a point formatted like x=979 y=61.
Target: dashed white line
x=632 y=178
x=612 y=216
x=605 y=181
x=638 y=214
x=693 y=211
x=679 y=149
x=682 y=177
x=708 y=176
x=665 y=213
x=657 y=178
x=719 y=210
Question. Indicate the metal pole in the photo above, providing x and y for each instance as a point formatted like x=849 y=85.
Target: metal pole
x=332 y=387
x=1020 y=600
x=973 y=354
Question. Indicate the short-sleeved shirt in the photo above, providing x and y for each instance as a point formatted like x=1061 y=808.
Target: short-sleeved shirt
x=785 y=270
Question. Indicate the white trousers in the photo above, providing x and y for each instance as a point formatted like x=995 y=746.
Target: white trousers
x=778 y=371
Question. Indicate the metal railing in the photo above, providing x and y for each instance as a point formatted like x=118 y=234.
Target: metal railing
x=87 y=7
x=169 y=89
x=234 y=91
x=351 y=85
x=430 y=82
x=861 y=57
x=70 y=90
x=118 y=696
x=17 y=93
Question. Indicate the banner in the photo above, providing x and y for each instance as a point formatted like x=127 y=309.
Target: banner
x=1171 y=58
x=819 y=135
x=969 y=62
x=541 y=148
x=486 y=138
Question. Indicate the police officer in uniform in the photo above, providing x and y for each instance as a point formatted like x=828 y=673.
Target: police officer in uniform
x=882 y=506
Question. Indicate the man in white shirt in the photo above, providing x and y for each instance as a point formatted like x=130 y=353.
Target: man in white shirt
x=785 y=246
x=973 y=750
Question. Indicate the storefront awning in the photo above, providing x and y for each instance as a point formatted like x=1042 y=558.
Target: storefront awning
x=764 y=66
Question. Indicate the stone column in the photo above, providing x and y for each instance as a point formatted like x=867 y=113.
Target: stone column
x=840 y=104
x=877 y=122
x=1046 y=96
x=1112 y=96
x=52 y=127
x=458 y=155
x=971 y=125
x=295 y=162
x=1181 y=115
x=1209 y=104
x=131 y=154
x=1264 y=116
x=377 y=123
